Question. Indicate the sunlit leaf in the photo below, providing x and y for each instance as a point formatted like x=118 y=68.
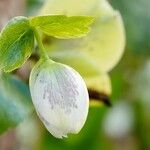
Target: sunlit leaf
x=61 y=26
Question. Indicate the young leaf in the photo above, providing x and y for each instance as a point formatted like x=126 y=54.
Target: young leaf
x=15 y=102
x=16 y=43
x=61 y=26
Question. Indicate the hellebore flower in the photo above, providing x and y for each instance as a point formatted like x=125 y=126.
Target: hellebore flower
x=60 y=97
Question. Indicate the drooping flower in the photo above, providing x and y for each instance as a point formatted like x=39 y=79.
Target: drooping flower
x=60 y=97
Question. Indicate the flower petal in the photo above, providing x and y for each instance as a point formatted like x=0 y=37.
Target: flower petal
x=60 y=97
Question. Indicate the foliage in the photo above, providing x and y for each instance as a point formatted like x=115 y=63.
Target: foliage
x=15 y=101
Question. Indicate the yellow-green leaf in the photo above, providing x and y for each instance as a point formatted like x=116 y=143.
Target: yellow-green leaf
x=61 y=26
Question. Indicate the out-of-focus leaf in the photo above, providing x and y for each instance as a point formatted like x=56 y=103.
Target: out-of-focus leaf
x=61 y=26
x=15 y=102
x=105 y=43
x=33 y=6
x=141 y=83
x=137 y=22
x=16 y=43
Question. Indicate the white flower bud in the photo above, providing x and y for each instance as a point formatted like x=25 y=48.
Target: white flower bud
x=60 y=97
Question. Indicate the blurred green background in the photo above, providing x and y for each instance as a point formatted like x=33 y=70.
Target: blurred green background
x=123 y=126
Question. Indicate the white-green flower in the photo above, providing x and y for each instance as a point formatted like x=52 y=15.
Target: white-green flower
x=60 y=97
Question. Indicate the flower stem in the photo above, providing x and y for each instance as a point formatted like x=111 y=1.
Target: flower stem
x=40 y=45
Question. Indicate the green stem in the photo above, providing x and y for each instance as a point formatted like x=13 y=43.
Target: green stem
x=40 y=45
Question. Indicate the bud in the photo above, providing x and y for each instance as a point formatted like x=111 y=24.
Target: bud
x=60 y=97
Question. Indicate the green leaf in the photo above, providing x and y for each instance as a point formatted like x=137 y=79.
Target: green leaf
x=61 y=26
x=32 y=6
x=15 y=102
x=16 y=43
